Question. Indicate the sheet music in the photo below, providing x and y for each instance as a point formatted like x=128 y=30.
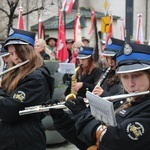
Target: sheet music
x=101 y=109
x=67 y=68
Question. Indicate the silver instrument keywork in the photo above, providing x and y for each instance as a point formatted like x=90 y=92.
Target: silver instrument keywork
x=100 y=82
x=42 y=108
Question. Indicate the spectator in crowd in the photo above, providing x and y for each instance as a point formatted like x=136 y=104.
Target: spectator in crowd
x=75 y=49
x=85 y=41
x=69 y=43
x=51 y=42
x=41 y=47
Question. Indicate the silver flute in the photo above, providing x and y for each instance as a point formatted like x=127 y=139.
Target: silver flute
x=45 y=108
x=14 y=67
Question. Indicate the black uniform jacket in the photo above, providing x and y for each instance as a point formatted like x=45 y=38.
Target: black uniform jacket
x=25 y=132
x=89 y=81
x=131 y=133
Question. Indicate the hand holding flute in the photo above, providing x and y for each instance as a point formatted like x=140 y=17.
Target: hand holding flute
x=62 y=105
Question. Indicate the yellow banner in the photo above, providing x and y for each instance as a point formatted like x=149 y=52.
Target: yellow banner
x=105 y=21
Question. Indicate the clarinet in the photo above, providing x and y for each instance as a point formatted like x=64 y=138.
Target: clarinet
x=100 y=82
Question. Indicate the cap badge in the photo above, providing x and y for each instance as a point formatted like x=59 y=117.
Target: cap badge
x=11 y=31
x=81 y=49
x=127 y=49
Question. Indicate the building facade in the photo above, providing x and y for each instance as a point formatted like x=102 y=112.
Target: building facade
x=118 y=8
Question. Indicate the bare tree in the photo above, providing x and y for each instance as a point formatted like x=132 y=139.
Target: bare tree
x=8 y=13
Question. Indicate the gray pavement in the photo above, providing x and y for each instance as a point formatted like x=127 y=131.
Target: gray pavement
x=62 y=146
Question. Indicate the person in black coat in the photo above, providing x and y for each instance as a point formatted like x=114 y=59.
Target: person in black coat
x=132 y=130
x=25 y=86
x=87 y=74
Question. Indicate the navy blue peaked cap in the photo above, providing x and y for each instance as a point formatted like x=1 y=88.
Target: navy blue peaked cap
x=113 y=46
x=18 y=37
x=85 y=52
x=133 y=57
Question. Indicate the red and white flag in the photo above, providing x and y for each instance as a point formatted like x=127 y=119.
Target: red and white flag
x=92 y=22
x=62 y=53
x=94 y=42
x=67 y=5
x=121 y=29
x=20 y=19
x=77 y=28
x=40 y=29
x=139 y=30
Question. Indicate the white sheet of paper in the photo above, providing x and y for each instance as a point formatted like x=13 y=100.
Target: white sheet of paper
x=101 y=109
x=67 y=68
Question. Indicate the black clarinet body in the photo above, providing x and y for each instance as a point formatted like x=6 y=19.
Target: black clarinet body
x=100 y=82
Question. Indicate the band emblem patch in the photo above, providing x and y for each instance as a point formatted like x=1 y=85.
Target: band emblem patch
x=135 y=130
x=20 y=95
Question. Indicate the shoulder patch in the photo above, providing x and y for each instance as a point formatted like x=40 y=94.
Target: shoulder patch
x=135 y=130
x=20 y=95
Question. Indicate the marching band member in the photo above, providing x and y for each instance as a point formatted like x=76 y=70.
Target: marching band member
x=132 y=131
x=87 y=74
x=73 y=59
x=27 y=85
x=110 y=83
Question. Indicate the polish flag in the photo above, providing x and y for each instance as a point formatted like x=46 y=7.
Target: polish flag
x=62 y=53
x=139 y=30
x=40 y=30
x=67 y=5
x=94 y=42
x=77 y=28
x=121 y=29
x=92 y=22
x=20 y=19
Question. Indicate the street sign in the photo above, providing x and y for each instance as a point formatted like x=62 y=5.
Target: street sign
x=106 y=6
x=105 y=22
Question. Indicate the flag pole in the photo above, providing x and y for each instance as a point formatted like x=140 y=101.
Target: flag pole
x=64 y=12
x=20 y=17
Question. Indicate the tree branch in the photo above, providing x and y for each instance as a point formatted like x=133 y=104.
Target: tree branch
x=2 y=9
x=29 y=12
